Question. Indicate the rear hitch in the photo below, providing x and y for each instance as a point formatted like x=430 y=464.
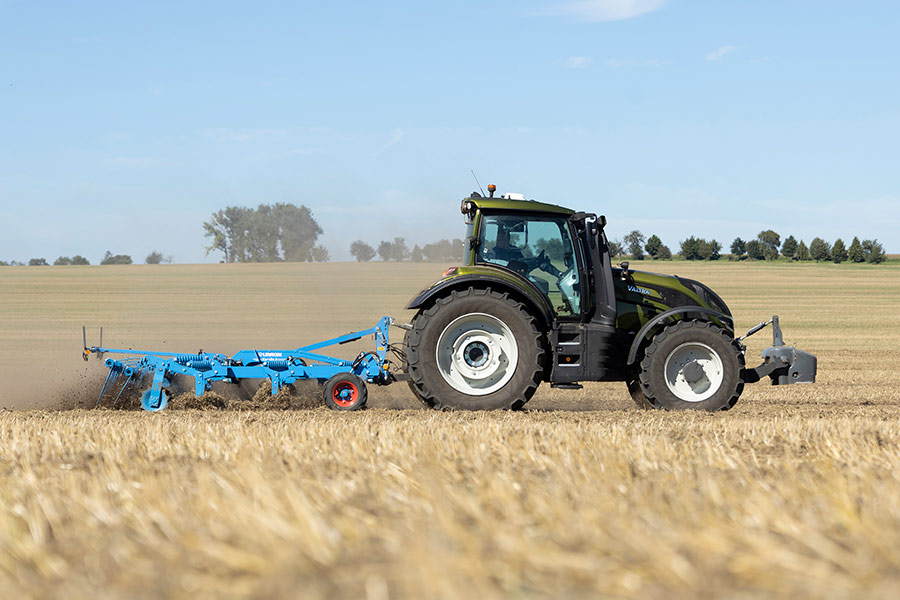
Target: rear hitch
x=782 y=364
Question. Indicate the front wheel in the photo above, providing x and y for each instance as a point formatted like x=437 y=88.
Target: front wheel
x=692 y=365
x=475 y=350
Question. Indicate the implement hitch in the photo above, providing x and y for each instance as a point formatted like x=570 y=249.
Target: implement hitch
x=783 y=364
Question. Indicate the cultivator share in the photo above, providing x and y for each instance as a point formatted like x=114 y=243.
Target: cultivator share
x=536 y=299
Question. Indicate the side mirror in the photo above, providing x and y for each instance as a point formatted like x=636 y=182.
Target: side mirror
x=624 y=266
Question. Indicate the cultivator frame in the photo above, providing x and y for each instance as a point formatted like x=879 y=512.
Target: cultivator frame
x=280 y=367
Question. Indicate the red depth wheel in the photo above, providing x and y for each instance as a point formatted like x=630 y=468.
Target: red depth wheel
x=345 y=391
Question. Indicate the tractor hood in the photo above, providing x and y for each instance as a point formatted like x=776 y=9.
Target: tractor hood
x=665 y=292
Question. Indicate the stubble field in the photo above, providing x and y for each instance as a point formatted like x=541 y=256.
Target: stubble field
x=794 y=492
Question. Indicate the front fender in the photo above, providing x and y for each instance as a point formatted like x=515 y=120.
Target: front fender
x=726 y=321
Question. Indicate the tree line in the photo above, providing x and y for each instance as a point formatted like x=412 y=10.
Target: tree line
x=398 y=250
x=154 y=258
x=267 y=233
x=766 y=246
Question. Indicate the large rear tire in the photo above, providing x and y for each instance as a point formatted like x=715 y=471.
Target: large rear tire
x=475 y=349
x=692 y=365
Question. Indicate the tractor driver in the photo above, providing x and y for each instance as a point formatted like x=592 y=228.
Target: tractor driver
x=503 y=250
x=514 y=257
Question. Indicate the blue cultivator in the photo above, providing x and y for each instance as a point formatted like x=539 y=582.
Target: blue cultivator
x=344 y=380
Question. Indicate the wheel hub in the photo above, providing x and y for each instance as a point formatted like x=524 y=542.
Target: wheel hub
x=477 y=354
x=694 y=372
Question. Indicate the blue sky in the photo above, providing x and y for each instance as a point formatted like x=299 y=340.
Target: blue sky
x=124 y=125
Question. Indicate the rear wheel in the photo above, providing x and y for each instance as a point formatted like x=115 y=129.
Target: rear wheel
x=475 y=350
x=345 y=391
x=692 y=365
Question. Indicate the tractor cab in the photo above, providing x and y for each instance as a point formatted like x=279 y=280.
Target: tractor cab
x=537 y=247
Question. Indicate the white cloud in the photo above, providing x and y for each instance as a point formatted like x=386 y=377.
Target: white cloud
x=606 y=10
x=578 y=62
x=396 y=136
x=720 y=53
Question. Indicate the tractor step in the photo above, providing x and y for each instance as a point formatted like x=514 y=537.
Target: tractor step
x=567 y=386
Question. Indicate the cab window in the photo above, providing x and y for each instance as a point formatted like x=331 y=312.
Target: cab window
x=538 y=248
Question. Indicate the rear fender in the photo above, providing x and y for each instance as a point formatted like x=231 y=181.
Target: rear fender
x=523 y=291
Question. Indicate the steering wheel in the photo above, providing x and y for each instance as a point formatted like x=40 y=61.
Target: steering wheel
x=532 y=263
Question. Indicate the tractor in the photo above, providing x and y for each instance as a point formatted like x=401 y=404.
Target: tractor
x=537 y=299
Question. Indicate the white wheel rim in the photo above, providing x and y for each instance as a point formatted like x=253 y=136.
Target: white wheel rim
x=709 y=381
x=477 y=354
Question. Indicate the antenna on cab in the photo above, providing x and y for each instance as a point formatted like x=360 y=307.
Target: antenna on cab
x=477 y=183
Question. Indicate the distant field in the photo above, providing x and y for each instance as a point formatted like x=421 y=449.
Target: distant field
x=793 y=492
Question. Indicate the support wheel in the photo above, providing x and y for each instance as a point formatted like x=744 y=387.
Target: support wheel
x=692 y=365
x=475 y=350
x=345 y=391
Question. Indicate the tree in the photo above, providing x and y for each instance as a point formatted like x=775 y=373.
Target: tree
x=690 y=249
x=270 y=232
x=452 y=250
x=664 y=253
x=770 y=242
x=755 y=250
x=38 y=262
x=855 y=252
x=838 y=251
x=873 y=251
x=62 y=261
x=393 y=251
x=615 y=248
x=653 y=245
x=319 y=254
x=155 y=258
x=802 y=251
x=714 y=250
x=416 y=254
x=227 y=230
x=361 y=251
x=704 y=250
x=738 y=248
x=634 y=241
x=80 y=260
x=789 y=248
x=115 y=259
x=819 y=249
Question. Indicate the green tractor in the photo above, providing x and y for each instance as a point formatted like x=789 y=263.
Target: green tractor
x=537 y=299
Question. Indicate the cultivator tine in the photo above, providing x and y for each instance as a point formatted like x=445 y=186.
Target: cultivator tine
x=119 y=395
x=111 y=376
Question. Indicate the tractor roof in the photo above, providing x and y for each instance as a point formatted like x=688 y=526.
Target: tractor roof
x=508 y=205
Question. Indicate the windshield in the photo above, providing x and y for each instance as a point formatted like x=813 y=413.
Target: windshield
x=538 y=248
